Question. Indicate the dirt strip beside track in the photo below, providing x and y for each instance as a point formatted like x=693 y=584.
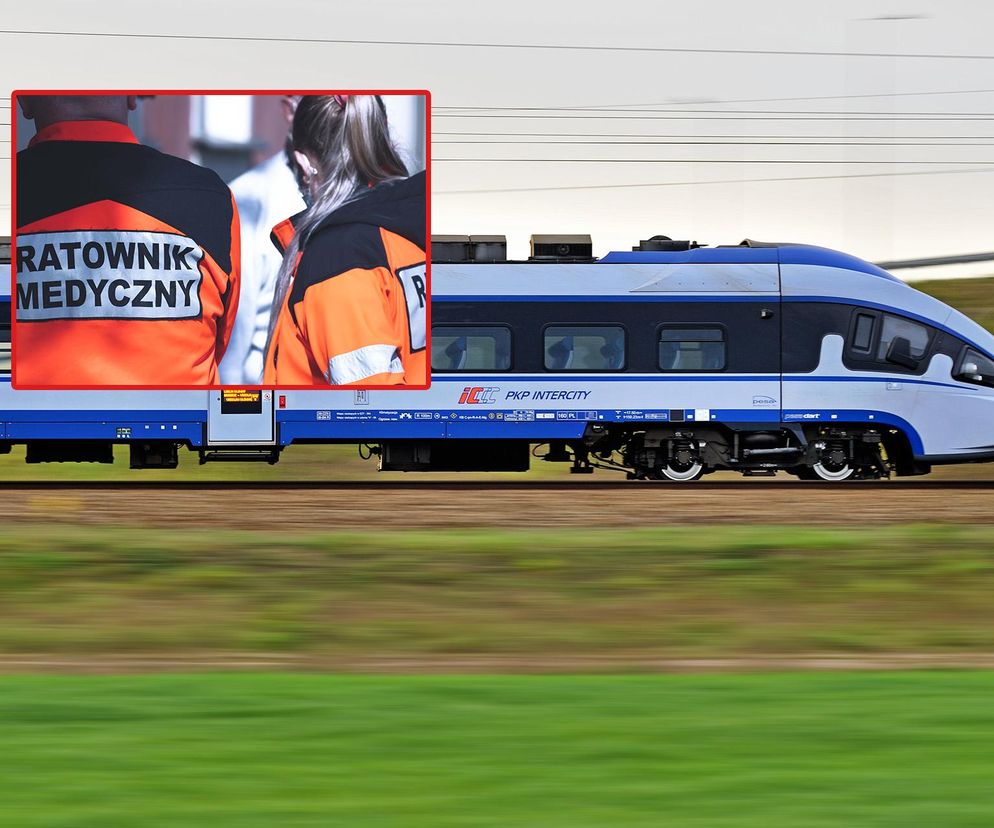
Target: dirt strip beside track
x=373 y=507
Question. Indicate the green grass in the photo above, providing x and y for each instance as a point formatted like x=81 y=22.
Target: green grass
x=974 y=297
x=564 y=593
x=792 y=750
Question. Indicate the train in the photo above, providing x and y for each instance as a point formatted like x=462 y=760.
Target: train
x=668 y=361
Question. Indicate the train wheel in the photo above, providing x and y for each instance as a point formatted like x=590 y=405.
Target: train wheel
x=833 y=472
x=681 y=472
x=834 y=466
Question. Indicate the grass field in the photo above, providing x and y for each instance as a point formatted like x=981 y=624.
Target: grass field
x=868 y=749
x=974 y=297
x=791 y=750
x=566 y=593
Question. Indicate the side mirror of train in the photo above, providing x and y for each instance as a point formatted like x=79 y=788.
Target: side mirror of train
x=899 y=353
x=970 y=371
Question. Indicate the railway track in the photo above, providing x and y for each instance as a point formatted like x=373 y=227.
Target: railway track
x=497 y=485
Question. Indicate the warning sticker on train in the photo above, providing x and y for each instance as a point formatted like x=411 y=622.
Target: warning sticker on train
x=107 y=274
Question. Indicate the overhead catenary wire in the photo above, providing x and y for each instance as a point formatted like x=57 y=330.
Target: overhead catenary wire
x=629 y=116
x=734 y=143
x=803 y=98
x=446 y=44
x=695 y=161
x=642 y=185
x=677 y=110
x=699 y=135
x=713 y=102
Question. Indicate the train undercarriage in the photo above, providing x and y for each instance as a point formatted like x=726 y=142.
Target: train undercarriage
x=681 y=452
x=685 y=452
x=677 y=452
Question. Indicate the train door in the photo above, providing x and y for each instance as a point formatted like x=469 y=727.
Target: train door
x=710 y=335
x=240 y=417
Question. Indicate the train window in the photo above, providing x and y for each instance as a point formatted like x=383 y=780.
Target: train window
x=584 y=348
x=691 y=349
x=895 y=326
x=974 y=367
x=862 y=337
x=476 y=348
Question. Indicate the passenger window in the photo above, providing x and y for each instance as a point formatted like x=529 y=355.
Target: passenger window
x=458 y=348
x=895 y=326
x=584 y=348
x=974 y=367
x=691 y=349
x=862 y=338
x=4 y=337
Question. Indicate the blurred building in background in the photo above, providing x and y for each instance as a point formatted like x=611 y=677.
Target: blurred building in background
x=231 y=133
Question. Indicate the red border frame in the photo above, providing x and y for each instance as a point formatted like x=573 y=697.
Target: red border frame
x=13 y=237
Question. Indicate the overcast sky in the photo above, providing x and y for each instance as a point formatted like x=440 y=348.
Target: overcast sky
x=947 y=210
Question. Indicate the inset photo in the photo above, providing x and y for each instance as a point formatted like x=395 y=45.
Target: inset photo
x=169 y=239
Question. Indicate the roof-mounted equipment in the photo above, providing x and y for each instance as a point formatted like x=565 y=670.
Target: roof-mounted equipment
x=460 y=249
x=659 y=244
x=561 y=248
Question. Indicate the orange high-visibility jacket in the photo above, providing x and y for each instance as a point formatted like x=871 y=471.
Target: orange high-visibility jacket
x=127 y=262
x=356 y=312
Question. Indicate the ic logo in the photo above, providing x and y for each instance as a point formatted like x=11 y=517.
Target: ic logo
x=478 y=395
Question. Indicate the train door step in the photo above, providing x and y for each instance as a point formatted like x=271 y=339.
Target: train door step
x=240 y=454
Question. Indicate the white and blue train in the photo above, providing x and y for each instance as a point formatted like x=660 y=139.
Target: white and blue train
x=667 y=362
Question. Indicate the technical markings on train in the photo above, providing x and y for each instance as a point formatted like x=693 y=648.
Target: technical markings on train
x=107 y=274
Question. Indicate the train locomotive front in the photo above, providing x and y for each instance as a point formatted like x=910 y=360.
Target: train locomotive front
x=679 y=360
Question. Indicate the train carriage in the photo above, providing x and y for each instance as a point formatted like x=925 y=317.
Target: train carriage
x=668 y=361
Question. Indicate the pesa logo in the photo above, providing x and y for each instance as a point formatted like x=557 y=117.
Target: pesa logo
x=478 y=395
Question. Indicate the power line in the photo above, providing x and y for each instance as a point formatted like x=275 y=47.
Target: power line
x=701 y=183
x=696 y=135
x=6 y=104
x=809 y=98
x=705 y=117
x=687 y=161
x=576 y=47
x=446 y=109
x=726 y=143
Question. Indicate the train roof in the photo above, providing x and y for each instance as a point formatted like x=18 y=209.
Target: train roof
x=563 y=269
x=563 y=266
x=578 y=249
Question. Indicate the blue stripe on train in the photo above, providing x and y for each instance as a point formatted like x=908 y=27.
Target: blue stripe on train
x=543 y=425
x=181 y=426
x=298 y=425
x=474 y=298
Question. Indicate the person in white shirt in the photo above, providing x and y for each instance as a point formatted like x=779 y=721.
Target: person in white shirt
x=265 y=195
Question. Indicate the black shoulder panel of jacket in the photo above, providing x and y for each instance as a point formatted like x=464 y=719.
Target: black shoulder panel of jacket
x=56 y=176
x=398 y=206
x=335 y=250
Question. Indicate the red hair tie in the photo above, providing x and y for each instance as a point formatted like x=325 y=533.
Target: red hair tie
x=340 y=100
